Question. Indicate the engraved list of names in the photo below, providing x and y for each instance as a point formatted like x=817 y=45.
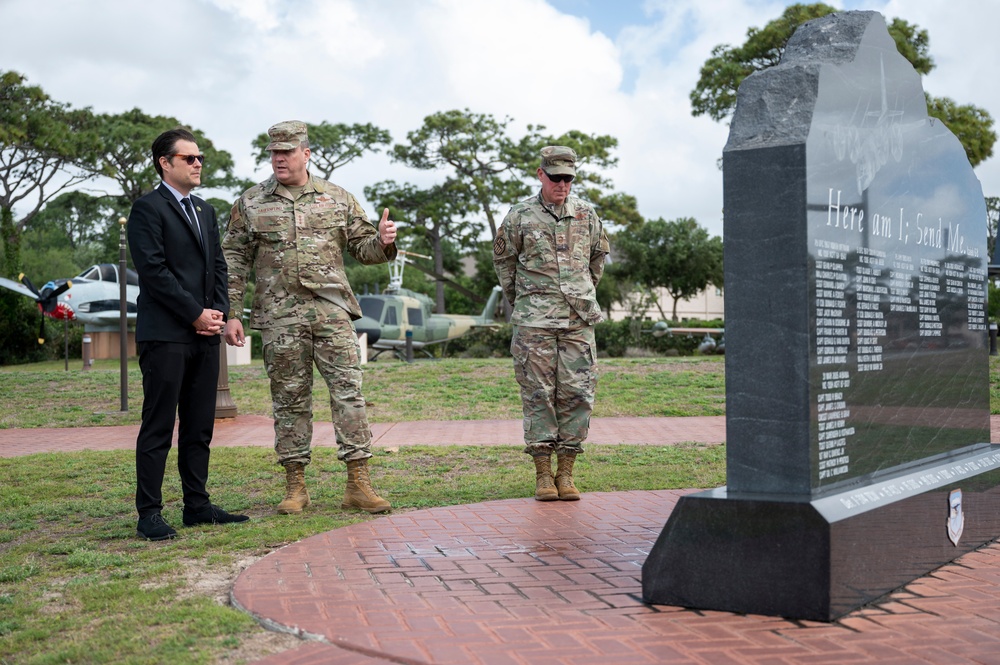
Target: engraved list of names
x=885 y=288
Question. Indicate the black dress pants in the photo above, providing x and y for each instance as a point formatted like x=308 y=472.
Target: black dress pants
x=179 y=381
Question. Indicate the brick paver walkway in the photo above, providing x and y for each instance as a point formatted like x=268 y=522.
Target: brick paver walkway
x=259 y=431
x=522 y=582
x=558 y=583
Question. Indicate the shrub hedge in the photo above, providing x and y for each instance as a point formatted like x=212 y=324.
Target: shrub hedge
x=614 y=339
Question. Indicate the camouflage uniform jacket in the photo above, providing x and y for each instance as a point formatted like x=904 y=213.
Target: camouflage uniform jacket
x=549 y=260
x=297 y=249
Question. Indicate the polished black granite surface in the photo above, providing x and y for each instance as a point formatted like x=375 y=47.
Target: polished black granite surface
x=855 y=239
x=821 y=559
x=857 y=341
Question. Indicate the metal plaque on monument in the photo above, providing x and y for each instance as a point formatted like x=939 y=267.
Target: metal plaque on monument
x=857 y=387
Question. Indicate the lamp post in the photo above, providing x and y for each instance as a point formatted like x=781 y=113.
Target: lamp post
x=123 y=319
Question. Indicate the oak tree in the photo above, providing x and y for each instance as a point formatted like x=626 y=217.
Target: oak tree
x=43 y=144
x=714 y=94
x=125 y=155
x=438 y=214
x=678 y=256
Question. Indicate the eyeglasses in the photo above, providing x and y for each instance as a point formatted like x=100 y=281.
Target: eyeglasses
x=190 y=159
x=558 y=178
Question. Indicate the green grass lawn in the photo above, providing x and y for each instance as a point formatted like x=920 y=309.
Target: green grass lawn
x=78 y=586
x=45 y=395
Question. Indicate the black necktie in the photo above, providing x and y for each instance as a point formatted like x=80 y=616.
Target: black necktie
x=192 y=218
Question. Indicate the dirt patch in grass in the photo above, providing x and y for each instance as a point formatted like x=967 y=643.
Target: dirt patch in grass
x=216 y=582
x=259 y=645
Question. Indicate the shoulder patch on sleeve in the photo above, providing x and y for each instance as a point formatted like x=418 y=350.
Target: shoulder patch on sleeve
x=604 y=245
x=499 y=246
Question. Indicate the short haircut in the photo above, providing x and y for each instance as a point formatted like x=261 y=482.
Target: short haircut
x=163 y=145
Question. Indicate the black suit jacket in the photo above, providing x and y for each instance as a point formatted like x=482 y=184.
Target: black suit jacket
x=178 y=278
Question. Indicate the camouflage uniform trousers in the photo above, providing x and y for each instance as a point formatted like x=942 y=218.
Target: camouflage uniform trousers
x=329 y=341
x=557 y=372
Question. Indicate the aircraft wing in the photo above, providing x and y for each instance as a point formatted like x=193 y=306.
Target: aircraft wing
x=18 y=287
x=698 y=331
x=103 y=318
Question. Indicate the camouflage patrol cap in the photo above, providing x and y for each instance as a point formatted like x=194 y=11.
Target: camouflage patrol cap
x=287 y=135
x=558 y=159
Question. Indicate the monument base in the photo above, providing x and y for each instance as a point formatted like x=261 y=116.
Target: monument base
x=823 y=558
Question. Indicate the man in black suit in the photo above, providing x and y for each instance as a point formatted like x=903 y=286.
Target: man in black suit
x=174 y=240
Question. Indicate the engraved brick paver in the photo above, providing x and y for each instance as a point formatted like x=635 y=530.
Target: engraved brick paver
x=560 y=583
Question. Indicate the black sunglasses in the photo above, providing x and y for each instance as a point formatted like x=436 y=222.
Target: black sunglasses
x=558 y=178
x=190 y=158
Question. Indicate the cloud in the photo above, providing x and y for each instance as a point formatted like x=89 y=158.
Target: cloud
x=964 y=47
x=231 y=68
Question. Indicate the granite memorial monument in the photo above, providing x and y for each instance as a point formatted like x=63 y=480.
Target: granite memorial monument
x=857 y=394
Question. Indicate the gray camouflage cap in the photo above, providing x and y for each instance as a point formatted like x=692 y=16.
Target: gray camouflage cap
x=558 y=159
x=287 y=135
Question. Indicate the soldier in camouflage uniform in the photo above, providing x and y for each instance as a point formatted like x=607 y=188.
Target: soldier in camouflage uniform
x=549 y=256
x=292 y=230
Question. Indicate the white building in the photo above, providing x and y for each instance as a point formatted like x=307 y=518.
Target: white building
x=706 y=306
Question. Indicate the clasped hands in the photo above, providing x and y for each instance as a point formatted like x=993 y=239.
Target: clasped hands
x=210 y=322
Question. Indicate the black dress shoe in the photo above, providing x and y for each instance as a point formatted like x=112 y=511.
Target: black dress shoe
x=152 y=527
x=211 y=515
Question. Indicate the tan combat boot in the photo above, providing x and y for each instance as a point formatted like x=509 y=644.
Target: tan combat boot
x=545 y=489
x=359 y=492
x=296 y=496
x=564 y=478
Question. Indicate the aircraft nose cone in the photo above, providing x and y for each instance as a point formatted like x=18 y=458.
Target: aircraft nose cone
x=63 y=311
x=370 y=327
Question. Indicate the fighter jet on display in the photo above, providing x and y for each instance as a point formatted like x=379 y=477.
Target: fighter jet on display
x=386 y=318
x=92 y=297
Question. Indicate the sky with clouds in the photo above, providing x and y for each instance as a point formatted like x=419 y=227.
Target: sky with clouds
x=232 y=68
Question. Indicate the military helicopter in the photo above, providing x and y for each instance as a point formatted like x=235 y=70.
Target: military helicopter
x=388 y=318
x=92 y=297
